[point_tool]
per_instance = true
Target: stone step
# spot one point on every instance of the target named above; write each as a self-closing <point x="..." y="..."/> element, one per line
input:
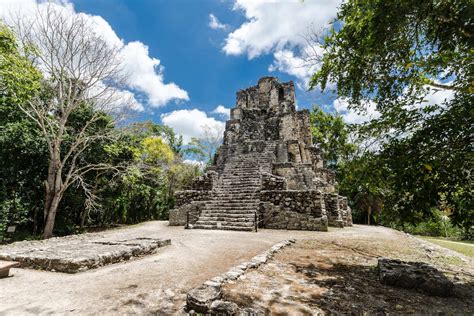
<point x="237" y="193"/>
<point x="241" y="179"/>
<point x="236" y="224"/>
<point x="240" y="183"/>
<point x="224" y="227"/>
<point x="232" y="189"/>
<point x="225" y="219"/>
<point x="249" y="177"/>
<point x="237" y="215"/>
<point x="230" y="208"/>
<point x="231" y="193"/>
<point x="237" y="196"/>
<point x="233" y="202"/>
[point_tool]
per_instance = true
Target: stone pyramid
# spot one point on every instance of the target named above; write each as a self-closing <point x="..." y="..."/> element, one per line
<point x="267" y="173"/>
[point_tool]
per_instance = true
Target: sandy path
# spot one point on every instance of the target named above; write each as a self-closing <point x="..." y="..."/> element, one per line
<point x="156" y="283"/>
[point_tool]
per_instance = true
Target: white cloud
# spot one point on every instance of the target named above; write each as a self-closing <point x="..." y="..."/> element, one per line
<point x="433" y="97"/>
<point x="191" y="123"/>
<point x="301" y="66"/>
<point x="215" y="24"/>
<point x="128" y="98"/>
<point x="222" y="110"/>
<point x="276" y="25"/>
<point x="193" y="162"/>
<point x="146" y="75"/>
<point x="350" y="116"/>
<point x="145" y="72"/>
<point x="437" y="96"/>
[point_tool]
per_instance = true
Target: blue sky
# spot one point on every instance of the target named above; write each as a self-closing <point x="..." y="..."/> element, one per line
<point x="178" y="33"/>
<point x="189" y="57"/>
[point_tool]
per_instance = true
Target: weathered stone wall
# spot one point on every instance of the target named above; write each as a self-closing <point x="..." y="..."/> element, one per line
<point x="188" y="196"/>
<point x="349" y="216"/>
<point x="272" y="182"/>
<point x="205" y="182"/>
<point x="179" y="216"/>
<point x="299" y="210"/>
<point x="298" y="176"/>
<point x="332" y="209"/>
<point x="191" y="201"/>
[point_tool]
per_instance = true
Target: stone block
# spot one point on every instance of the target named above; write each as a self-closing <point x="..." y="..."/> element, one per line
<point x="200" y="299"/>
<point x="414" y="275"/>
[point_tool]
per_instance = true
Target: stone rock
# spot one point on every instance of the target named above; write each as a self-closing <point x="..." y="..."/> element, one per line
<point x="78" y="253"/>
<point x="223" y="308"/>
<point x="414" y="275"/>
<point x="200" y="299"/>
<point x="251" y="312"/>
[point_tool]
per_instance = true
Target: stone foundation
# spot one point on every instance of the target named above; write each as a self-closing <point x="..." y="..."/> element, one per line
<point x="78" y="253"/>
<point x="295" y="210"/>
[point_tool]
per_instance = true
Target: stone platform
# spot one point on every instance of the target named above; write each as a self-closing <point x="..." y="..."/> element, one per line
<point x="78" y="253"/>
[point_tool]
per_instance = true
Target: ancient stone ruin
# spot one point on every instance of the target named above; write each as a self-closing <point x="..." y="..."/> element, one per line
<point x="267" y="173"/>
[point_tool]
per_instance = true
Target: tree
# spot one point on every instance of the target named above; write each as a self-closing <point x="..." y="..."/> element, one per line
<point x="332" y="135"/>
<point x="81" y="71"/>
<point x="205" y="147"/>
<point x="154" y="172"/>
<point x="391" y="52"/>
<point x="394" y="55"/>
<point x="165" y="132"/>
<point x="21" y="144"/>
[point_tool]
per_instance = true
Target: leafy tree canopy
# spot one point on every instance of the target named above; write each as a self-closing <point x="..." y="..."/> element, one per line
<point x="332" y="135"/>
<point x="393" y="52"/>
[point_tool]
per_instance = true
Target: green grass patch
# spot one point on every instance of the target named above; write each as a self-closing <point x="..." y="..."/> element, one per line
<point x="466" y="248"/>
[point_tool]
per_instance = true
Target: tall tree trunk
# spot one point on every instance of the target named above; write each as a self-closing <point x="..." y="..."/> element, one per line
<point x="369" y="212"/>
<point x="54" y="187"/>
<point x="84" y="215"/>
<point x="49" y="225"/>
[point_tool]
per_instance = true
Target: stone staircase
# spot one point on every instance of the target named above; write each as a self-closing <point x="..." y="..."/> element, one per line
<point x="235" y="198"/>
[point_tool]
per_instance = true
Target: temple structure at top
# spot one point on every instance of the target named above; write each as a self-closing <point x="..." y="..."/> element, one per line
<point x="268" y="173"/>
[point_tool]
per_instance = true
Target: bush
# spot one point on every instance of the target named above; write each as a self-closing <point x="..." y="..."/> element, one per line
<point x="438" y="226"/>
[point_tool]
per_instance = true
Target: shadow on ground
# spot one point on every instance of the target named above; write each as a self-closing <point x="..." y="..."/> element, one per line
<point x="326" y="278"/>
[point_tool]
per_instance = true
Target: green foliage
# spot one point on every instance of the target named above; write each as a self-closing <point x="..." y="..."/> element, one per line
<point x="156" y="152"/>
<point x="332" y="135"/>
<point x="22" y="148"/>
<point x="154" y="172"/>
<point x="390" y="51"/>
<point x="392" y="54"/>
<point x="147" y="157"/>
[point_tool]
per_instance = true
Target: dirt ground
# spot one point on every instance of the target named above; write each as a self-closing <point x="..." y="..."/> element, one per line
<point x="156" y="283"/>
<point x="336" y="274"/>
<point x="323" y="272"/>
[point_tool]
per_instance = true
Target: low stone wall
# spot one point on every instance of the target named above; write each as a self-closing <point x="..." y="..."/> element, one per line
<point x="333" y="210"/>
<point x="298" y="210"/>
<point x="179" y="217"/>
<point x="205" y="182"/>
<point x="78" y="252"/>
<point x="206" y="298"/>
<point x="188" y="196"/>
<point x="187" y="201"/>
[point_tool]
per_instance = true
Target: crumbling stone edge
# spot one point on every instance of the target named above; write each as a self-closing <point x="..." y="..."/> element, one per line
<point x="206" y="298"/>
